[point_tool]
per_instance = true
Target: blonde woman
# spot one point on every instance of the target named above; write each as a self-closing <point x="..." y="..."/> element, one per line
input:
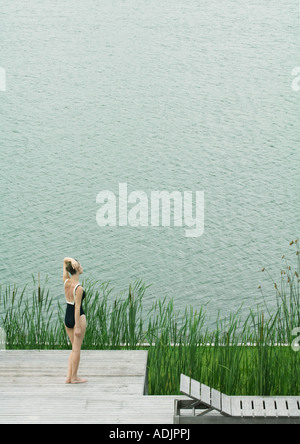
<point x="75" y="320"/>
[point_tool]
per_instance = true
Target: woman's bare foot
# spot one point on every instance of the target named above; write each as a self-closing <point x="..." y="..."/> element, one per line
<point x="68" y="381"/>
<point x="78" y="381"/>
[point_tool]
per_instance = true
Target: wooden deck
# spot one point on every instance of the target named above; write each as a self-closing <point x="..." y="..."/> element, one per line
<point x="33" y="389"/>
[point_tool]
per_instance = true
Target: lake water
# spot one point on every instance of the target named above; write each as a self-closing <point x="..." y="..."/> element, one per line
<point x="161" y="95"/>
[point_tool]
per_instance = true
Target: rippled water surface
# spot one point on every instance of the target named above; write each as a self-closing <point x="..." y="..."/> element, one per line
<point x="161" y="95"/>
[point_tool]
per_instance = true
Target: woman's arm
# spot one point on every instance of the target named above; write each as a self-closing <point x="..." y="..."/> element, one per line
<point x="79" y="293"/>
<point x="66" y="261"/>
<point x="65" y="273"/>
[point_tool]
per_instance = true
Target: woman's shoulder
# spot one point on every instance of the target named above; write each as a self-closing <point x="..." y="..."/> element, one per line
<point x="78" y="288"/>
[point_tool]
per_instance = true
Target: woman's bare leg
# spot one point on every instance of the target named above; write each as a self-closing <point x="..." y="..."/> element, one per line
<point x="76" y="349"/>
<point x="70" y="333"/>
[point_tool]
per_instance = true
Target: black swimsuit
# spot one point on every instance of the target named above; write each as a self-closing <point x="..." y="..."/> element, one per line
<point x="70" y="312"/>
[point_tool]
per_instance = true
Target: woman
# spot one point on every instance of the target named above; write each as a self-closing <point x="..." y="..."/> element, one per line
<point x="75" y="321"/>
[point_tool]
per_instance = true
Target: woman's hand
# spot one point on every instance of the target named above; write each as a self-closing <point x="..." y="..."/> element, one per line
<point x="74" y="264"/>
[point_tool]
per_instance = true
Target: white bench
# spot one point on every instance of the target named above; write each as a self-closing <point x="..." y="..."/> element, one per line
<point x="216" y="407"/>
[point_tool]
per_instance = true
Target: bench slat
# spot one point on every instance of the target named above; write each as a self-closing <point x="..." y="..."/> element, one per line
<point x="271" y="411"/>
<point x="236" y="407"/>
<point x="216" y="399"/>
<point x="226" y="404"/>
<point x="195" y="389"/>
<point x="293" y="408"/>
<point x="205" y="394"/>
<point x="282" y="410"/>
<point x="185" y="386"/>
<point x="247" y="408"/>
<point x="259" y="407"/>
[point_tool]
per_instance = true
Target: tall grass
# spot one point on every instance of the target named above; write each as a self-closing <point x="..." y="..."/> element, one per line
<point x="251" y="355"/>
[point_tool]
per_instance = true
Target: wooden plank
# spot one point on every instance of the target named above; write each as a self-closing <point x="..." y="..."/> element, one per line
<point x="281" y="407"/>
<point x="271" y="411"/>
<point x="293" y="408"/>
<point x="205" y="394"/>
<point x="93" y="419"/>
<point x="226" y="404"/>
<point x="195" y="389"/>
<point x="236" y="407"/>
<point x="216" y="399"/>
<point x="259" y="410"/>
<point x="185" y="385"/>
<point x="246" y="407"/>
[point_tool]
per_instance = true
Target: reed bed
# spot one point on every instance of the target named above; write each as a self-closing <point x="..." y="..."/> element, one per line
<point x="242" y="355"/>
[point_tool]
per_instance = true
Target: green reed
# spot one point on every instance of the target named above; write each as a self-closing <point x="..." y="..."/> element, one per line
<point x="241" y="354"/>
